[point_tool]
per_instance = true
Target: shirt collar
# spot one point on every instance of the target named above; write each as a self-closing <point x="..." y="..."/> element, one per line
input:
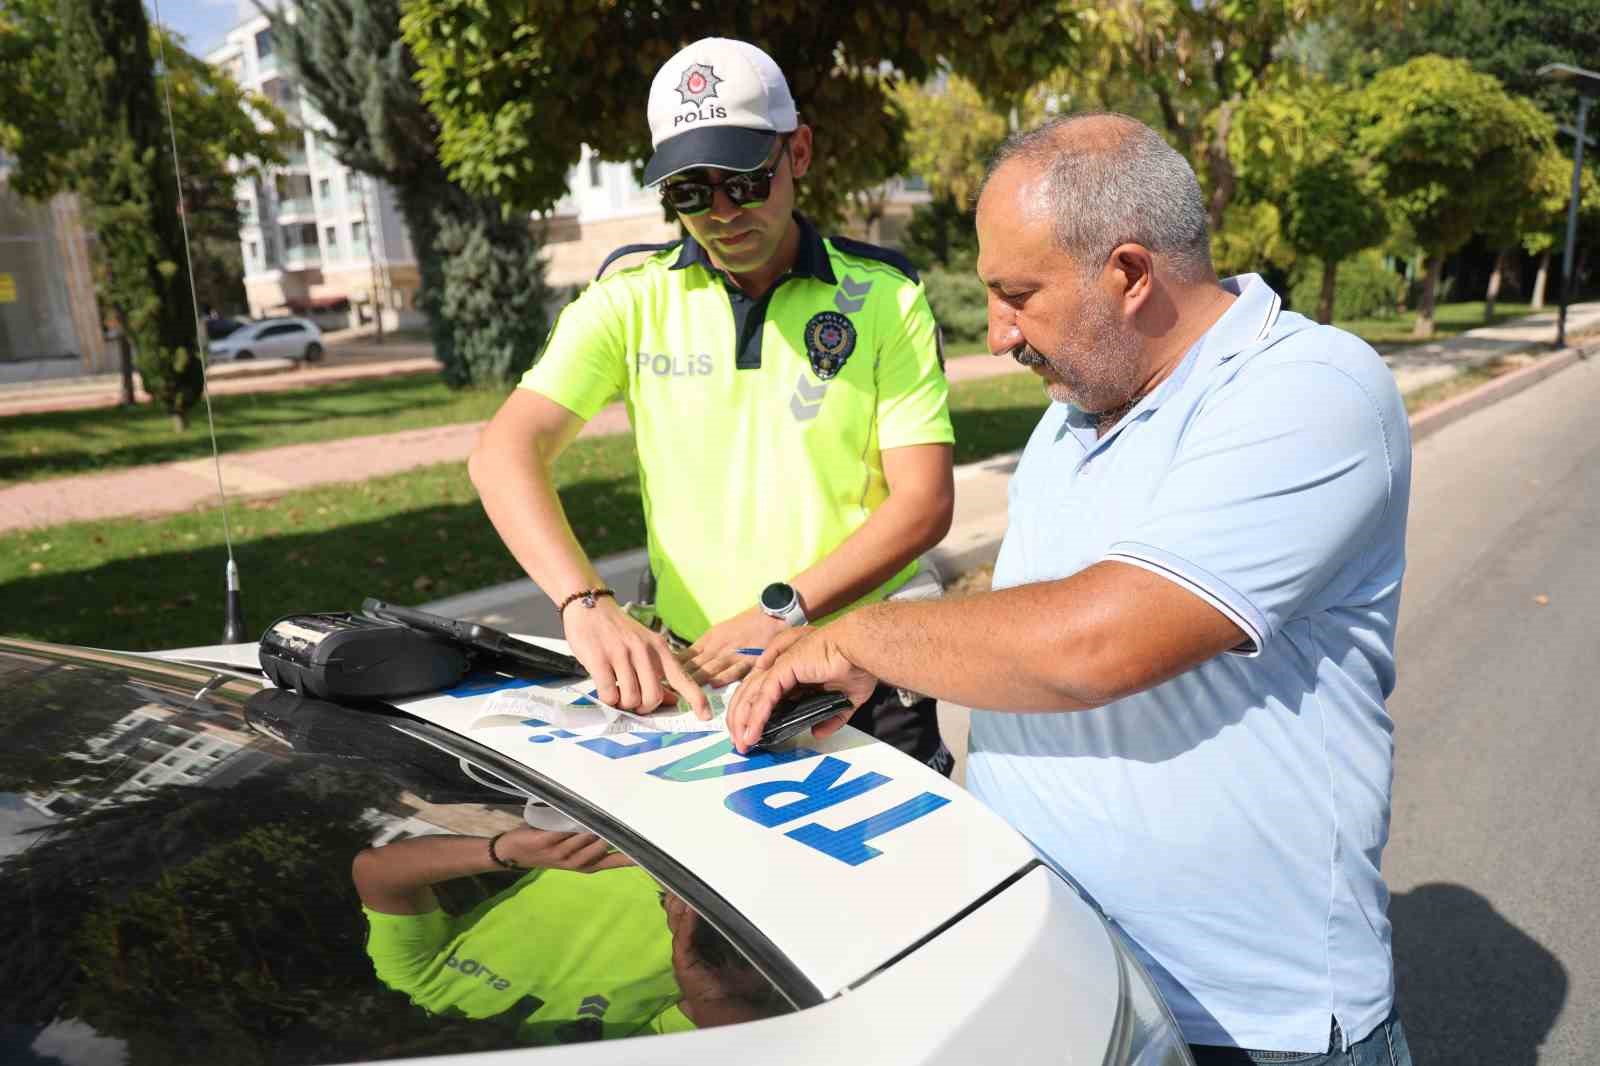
<point x="810" y="259"/>
<point x="1248" y="322"/>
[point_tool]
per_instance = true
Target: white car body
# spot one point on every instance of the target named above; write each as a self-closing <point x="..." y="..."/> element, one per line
<point x="299" y="339"/>
<point x="919" y="927"/>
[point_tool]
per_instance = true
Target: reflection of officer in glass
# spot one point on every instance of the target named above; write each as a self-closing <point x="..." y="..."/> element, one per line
<point x="571" y="956"/>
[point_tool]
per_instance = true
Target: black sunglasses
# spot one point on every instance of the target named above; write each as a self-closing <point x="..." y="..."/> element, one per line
<point x="748" y="188"/>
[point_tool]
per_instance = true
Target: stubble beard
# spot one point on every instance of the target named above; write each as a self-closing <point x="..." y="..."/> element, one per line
<point x="1095" y="377"/>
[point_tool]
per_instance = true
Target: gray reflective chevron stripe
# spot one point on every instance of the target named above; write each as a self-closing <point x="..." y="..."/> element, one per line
<point x="807" y="399"/>
<point x="851" y="295"/>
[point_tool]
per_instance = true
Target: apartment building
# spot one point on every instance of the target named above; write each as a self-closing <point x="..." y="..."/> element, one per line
<point x="317" y="238"/>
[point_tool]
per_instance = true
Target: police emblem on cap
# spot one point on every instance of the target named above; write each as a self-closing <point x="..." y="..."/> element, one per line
<point x="830" y="338"/>
<point x="698" y="84"/>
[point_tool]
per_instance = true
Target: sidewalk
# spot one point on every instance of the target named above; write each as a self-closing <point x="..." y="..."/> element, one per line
<point x="167" y="488"/>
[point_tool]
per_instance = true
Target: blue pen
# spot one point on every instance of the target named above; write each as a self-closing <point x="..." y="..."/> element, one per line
<point x="751" y="651"/>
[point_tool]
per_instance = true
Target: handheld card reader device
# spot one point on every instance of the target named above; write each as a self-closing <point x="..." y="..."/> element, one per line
<point x="798" y="711"/>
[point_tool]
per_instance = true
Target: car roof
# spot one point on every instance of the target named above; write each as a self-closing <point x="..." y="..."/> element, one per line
<point x="844" y="853"/>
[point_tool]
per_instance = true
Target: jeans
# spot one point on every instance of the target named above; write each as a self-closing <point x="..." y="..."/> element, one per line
<point x="1384" y="1046"/>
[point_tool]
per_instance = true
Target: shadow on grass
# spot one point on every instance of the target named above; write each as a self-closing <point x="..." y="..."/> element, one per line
<point x="175" y="598"/>
<point x="982" y="432"/>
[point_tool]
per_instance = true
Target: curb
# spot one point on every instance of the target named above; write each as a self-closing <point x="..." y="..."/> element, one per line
<point x="1430" y="420"/>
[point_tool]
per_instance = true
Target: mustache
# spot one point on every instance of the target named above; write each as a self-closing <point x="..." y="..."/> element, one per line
<point x="1027" y="355"/>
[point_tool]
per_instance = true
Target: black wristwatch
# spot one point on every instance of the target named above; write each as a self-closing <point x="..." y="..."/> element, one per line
<point x="779" y="600"/>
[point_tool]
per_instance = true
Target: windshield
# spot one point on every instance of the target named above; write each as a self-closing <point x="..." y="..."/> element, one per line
<point x="193" y="870"/>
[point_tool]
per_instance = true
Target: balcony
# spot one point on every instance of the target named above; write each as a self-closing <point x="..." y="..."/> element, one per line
<point x="294" y="206"/>
<point x="301" y="258"/>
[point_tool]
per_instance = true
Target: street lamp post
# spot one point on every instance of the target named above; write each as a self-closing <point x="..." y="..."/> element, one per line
<point x="1588" y="85"/>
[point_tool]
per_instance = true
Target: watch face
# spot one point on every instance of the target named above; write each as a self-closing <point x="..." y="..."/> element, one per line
<point x="777" y="596"/>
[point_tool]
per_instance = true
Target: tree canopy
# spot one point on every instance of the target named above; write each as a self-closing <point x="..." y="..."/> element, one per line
<point x="517" y="89"/>
<point x="1450" y="147"/>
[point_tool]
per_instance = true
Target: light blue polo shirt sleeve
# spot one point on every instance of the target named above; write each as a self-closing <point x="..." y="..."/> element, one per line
<point x="1278" y="486"/>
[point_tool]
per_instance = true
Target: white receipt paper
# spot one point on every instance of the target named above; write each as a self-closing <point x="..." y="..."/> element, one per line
<point x="573" y="707"/>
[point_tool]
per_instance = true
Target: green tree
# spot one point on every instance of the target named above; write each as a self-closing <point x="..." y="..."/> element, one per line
<point x="84" y="115"/>
<point x="350" y="60"/>
<point x="1291" y="148"/>
<point x="1190" y="65"/>
<point x="518" y="88"/>
<point x="1543" y="219"/>
<point x="1450" y="147"/>
<point x="225" y="134"/>
<point x="1509" y="39"/>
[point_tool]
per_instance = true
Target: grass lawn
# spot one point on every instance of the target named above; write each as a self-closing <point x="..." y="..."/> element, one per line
<point x="1448" y="320"/>
<point x="58" y="443"/>
<point x="149" y="583"/>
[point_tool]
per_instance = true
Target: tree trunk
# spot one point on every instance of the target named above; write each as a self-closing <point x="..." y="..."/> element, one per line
<point x="1494" y="287"/>
<point x="1330" y="272"/>
<point x="1223" y="179"/>
<point x="1430" y="289"/>
<point x="1540" y="279"/>
<point x="125" y="353"/>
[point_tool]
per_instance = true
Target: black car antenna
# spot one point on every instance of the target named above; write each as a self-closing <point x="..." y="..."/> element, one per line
<point x="233" y="631"/>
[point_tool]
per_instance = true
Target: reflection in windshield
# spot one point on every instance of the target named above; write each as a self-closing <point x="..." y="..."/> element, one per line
<point x="176" y="886"/>
<point x="594" y="951"/>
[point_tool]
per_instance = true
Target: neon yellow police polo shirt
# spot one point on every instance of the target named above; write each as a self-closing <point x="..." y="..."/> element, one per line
<point x="565" y="953"/>
<point x="760" y="424"/>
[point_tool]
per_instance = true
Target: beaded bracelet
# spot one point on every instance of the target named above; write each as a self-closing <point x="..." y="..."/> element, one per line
<point x="507" y="863"/>
<point x="588" y="597"/>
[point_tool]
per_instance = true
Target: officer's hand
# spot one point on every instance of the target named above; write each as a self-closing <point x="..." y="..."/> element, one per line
<point x="716" y="659"/>
<point x="543" y="849"/>
<point x="805" y="656"/>
<point x="631" y="666"/>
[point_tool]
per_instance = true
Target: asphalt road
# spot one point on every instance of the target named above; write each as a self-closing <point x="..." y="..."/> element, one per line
<point x="1494" y="852"/>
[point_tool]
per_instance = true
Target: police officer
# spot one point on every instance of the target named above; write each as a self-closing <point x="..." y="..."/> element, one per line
<point x="788" y="402"/>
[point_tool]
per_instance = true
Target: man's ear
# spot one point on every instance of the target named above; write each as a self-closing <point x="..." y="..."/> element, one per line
<point x="800" y="150"/>
<point x="1132" y="269"/>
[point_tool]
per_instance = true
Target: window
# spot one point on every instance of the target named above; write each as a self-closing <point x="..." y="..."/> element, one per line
<point x="263" y="44"/>
<point x="253" y="257"/>
<point x="594" y="171"/>
<point x="352" y="181"/>
<point x="324" y="190"/>
<point x="330" y="241"/>
<point x="243" y="207"/>
<point x="358" y="237"/>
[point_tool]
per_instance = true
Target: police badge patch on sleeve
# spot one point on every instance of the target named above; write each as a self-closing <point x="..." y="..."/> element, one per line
<point x="830" y="338"/>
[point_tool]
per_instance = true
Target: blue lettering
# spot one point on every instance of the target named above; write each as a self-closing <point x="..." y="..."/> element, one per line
<point x="637" y="743"/>
<point x="693" y="768"/>
<point x="817" y="792"/>
<point x="849" y="845"/>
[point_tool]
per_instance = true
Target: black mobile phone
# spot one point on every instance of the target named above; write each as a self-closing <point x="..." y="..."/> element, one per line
<point x="503" y="651"/>
<point x="797" y="712"/>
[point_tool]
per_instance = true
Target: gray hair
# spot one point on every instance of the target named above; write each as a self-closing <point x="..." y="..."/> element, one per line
<point x="1109" y="179"/>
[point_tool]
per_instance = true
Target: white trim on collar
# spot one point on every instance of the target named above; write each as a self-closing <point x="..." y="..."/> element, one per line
<point x="1248" y="322"/>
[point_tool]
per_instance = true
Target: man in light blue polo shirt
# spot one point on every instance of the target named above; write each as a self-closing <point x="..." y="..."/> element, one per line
<point x="1203" y="563"/>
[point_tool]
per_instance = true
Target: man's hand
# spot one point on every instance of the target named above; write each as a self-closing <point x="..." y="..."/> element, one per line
<point x="543" y="849"/>
<point x="715" y="659"/>
<point x="712" y="995"/>
<point x="632" y="667"/>
<point x="803" y="656"/>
